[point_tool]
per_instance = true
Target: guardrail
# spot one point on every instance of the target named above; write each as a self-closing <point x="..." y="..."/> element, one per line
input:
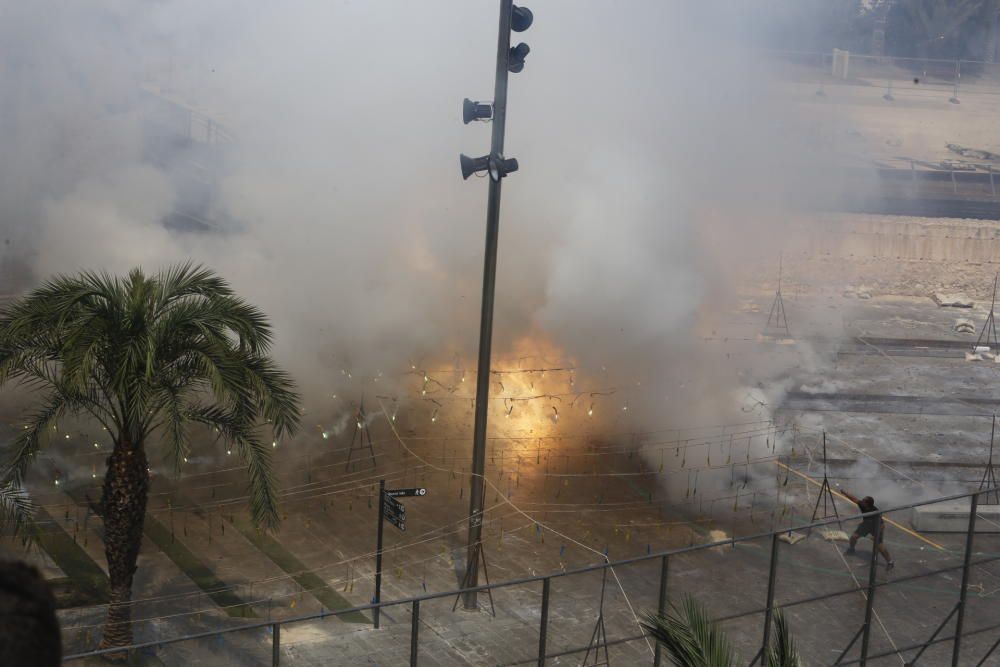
<point x="913" y="78"/>
<point x="871" y="590"/>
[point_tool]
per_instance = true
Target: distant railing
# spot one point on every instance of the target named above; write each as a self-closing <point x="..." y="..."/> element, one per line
<point x="861" y="639"/>
<point x="895" y="76"/>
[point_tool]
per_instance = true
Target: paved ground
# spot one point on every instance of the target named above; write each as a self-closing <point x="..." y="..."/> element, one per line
<point x="859" y="124"/>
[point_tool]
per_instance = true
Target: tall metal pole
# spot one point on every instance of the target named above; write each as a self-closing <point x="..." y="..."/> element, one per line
<point x="470" y="598"/>
<point x="771" y="581"/>
<point x="414" y="633"/>
<point x="661" y="607"/>
<point x="870" y="601"/>
<point x="378" y="552"/>
<point x="963" y="592"/>
<point x="543" y="627"/>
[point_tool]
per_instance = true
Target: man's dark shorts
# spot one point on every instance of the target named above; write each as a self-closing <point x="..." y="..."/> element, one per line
<point x="868" y="528"/>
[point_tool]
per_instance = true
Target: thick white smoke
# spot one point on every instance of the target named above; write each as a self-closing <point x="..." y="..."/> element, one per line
<point x="654" y="165"/>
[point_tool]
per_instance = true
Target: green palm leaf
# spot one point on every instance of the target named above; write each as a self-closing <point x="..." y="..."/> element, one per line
<point x="16" y="509"/>
<point x="781" y="651"/>
<point x="690" y="637"/>
<point x="146" y="356"/>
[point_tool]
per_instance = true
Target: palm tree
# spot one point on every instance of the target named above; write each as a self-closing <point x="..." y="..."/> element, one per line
<point x="692" y="639"/>
<point x="143" y="356"/>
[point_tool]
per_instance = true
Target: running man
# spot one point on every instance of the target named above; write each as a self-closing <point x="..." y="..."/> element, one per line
<point x="870" y="525"/>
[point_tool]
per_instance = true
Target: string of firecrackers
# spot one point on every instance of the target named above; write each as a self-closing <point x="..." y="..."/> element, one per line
<point x="677" y="445"/>
<point x="325" y="492"/>
<point x="688" y="443"/>
<point x="509" y="403"/>
<point x="44" y="456"/>
<point x="493" y="371"/>
<point x="463" y="373"/>
<point x="549" y="395"/>
<point x="285" y="494"/>
<point x="639" y="434"/>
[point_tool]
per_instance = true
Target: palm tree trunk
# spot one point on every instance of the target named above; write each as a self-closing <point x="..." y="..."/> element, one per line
<point x="126" y="485"/>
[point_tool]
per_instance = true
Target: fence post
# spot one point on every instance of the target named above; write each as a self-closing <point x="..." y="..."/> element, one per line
<point x="769" y="612"/>
<point x="956" y="651"/>
<point x="414" y="632"/>
<point x="867" y="627"/>
<point x="958" y="75"/>
<point x="275" y="644"/>
<point x="543" y="627"/>
<point x="661" y="607"/>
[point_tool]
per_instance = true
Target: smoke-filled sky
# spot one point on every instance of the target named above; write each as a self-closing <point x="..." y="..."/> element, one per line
<point x="653" y="164"/>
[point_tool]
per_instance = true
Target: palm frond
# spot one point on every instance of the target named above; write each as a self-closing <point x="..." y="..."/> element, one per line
<point x="690" y="637"/>
<point x="215" y="315"/>
<point x="781" y="651"/>
<point x="275" y="394"/>
<point x="16" y="511"/>
<point x="189" y="279"/>
<point x="30" y="438"/>
<point x="51" y="305"/>
<point x="150" y="353"/>
<point x="174" y="423"/>
<point x="255" y="453"/>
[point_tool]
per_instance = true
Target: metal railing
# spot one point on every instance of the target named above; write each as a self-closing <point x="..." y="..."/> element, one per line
<point x="870" y="590"/>
<point x="895" y="76"/>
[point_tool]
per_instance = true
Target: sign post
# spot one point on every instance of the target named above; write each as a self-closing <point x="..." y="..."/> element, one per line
<point x="395" y="511"/>
<point x="378" y="552"/>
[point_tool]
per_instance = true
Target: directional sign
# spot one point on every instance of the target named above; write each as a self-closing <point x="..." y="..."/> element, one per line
<point x="396" y="509"/>
<point x="395" y="505"/>
<point x="392" y="493"/>
<point x="398" y="522"/>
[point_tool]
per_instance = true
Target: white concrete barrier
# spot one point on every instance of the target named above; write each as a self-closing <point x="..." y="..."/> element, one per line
<point x="953" y="517"/>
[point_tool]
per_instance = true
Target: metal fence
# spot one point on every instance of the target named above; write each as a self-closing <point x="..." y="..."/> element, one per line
<point x="894" y="76"/>
<point x="759" y="618"/>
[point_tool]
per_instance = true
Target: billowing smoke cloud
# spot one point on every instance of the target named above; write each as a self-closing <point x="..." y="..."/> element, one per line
<point x="656" y="160"/>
